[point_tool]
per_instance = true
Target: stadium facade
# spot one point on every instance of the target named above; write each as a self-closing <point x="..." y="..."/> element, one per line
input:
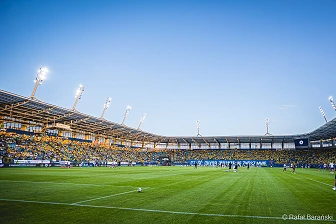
<point x="28" y="115"/>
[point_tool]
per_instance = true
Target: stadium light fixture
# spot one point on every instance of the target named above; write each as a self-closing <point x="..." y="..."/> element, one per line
<point x="106" y="105"/>
<point x="78" y="95"/>
<point x="198" y="125"/>
<point x="128" y="109"/>
<point x="142" y="120"/>
<point x="323" y="114"/>
<point x="331" y="99"/>
<point x="41" y="75"/>
<point x="267" y="126"/>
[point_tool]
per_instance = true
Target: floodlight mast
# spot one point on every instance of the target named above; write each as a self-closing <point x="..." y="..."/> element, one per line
<point x="142" y="120"/>
<point x="78" y="96"/>
<point x="267" y="125"/>
<point x="106" y="105"/>
<point x="128" y="109"/>
<point x="323" y="114"/>
<point x="331" y="99"/>
<point x="41" y="75"/>
<point x="198" y="124"/>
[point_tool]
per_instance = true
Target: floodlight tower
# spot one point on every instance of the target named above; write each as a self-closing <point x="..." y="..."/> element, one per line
<point x="198" y="125"/>
<point x="78" y="96"/>
<point x="332" y="102"/>
<point x="41" y="75"/>
<point x="142" y="120"/>
<point x="267" y="125"/>
<point x="128" y="109"/>
<point x="323" y="114"/>
<point x="106" y="105"/>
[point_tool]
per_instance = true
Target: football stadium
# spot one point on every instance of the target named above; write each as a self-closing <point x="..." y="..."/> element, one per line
<point x="256" y="76"/>
<point x="88" y="169"/>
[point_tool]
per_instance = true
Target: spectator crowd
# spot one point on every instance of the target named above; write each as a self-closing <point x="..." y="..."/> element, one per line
<point x="34" y="147"/>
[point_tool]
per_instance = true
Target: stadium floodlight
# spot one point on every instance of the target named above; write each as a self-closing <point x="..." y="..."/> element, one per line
<point x="128" y="109"/>
<point x="41" y="75"/>
<point x="198" y="125"/>
<point x="142" y="120"/>
<point x="267" y="125"/>
<point x="331" y="99"/>
<point x="323" y="114"/>
<point x="78" y="95"/>
<point x="106" y="105"/>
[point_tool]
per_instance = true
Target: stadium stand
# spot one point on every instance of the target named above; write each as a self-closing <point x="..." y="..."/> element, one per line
<point x="34" y="130"/>
<point x="33" y="147"/>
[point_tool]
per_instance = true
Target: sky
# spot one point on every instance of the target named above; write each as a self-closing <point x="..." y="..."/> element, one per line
<point x="229" y="64"/>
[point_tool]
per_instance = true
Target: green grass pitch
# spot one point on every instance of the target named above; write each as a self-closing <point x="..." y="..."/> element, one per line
<point x="169" y="195"/>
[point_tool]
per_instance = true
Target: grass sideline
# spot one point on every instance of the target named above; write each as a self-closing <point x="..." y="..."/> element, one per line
<point x="170" y="195"/>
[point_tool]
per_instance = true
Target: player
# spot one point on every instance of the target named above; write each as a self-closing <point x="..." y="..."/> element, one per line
<point x="195" y="165"/>
<point x="332" y="168"/>
<point x="248" y="166"/>
<point x="235" y="167"/>
<point x="324" y="167"/>
<point x="284" y="167"/>
<point x="334" y="184"/>
<point x="230" y="164"/>
<point x="293" y="168"/>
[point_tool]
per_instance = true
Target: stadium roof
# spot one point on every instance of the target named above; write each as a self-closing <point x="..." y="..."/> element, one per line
<point x="31" y="109"/>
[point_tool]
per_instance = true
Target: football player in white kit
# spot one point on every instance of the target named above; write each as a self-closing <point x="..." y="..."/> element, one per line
<point x="284" y="167"/>
<point x="332" y="168"/>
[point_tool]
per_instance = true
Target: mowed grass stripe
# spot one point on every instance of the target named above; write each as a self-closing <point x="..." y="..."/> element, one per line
<point x="167" y="192"/>
<point x="212" y="190"/>
<point x="159" y="211"/>
<point x="192" y="195"/>
<point x="49" y="182"/>
<point x="297" y="193"/>
<point x="238" y="197"/>
<point x="242" y="193"/>
<point x="62" y="193"/>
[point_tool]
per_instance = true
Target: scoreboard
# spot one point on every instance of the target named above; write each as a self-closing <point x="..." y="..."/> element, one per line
<point x="301" y="143"/>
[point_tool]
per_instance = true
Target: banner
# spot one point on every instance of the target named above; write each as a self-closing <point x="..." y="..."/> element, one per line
<point x="31" y="161"/>
<point x="226" y="162"/>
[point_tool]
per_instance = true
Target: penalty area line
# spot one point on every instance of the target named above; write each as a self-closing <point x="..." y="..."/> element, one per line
<point x="320" y="182"/>
<point x="158" y="211"/>
<point x="108" y="196"/>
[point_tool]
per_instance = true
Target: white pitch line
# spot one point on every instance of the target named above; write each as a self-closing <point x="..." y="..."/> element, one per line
<point x="108" y="196"/>
<point x="320" y="182"/>
<point x="159" y="211"/>
<point x="49" y="182"/>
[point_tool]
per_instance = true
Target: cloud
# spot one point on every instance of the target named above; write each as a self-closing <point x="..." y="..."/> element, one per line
<point x="286" y="107"/>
